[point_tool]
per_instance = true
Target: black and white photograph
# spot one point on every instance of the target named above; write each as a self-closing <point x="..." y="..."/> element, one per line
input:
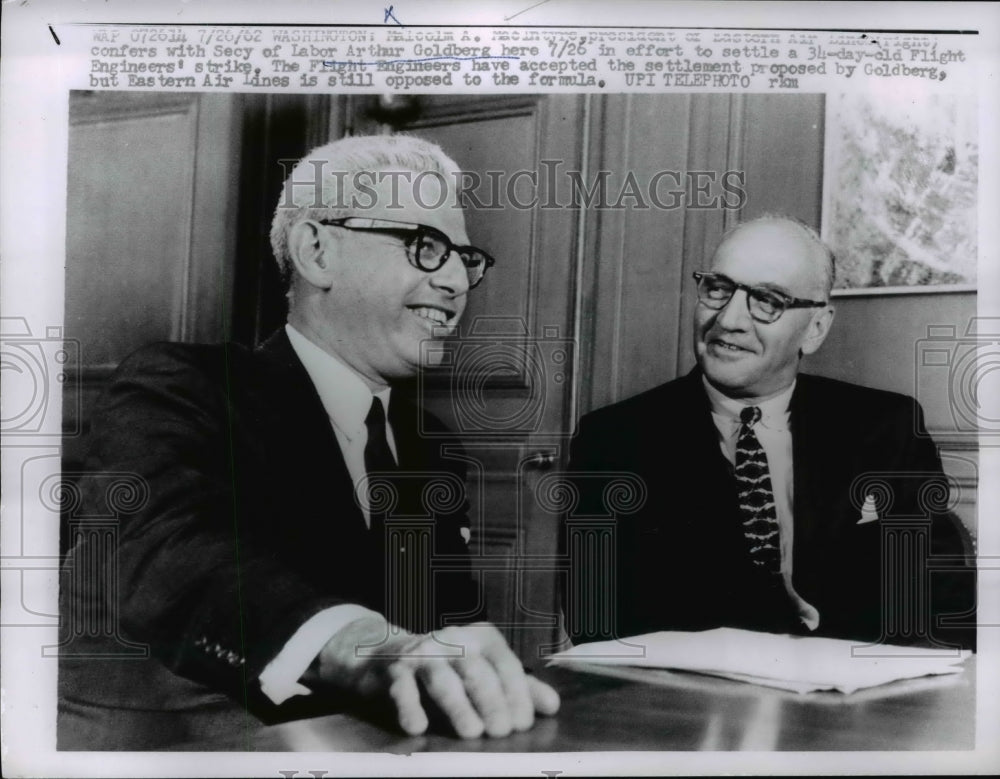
<point x="536" y="391"/>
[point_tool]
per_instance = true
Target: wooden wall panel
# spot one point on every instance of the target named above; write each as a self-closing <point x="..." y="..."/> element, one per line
<point x="129" y="220"/>
<point x="633" y="255"/>
<point x="781" y="152"/>
<point x="150" y="227"/>
<point x="652" y="249"/>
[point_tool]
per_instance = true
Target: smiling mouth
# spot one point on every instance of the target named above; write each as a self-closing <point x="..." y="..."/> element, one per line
<point x="726" y="346"/>
<point x="435" y="316"/>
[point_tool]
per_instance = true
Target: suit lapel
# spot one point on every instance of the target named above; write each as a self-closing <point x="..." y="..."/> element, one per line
<point x="417" y="455"/>
<point x="412" y="451"/>
<point x="298" y="432"/>
<point x="698" y="440"/>
<point x="814" y="459"/>
<point x="703" y="434"/>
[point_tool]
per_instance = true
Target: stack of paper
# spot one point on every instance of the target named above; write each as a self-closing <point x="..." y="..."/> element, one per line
<point x="801" y="664"/>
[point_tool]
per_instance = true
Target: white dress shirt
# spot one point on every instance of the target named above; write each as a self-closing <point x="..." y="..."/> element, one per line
<point x="775" y="436"/>
<point x="347" y="400"/>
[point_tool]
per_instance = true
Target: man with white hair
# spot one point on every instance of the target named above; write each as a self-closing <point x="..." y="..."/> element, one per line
<point x="262" y="572"/>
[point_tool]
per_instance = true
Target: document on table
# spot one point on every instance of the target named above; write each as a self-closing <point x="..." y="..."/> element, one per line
<point x="797" y="663"/>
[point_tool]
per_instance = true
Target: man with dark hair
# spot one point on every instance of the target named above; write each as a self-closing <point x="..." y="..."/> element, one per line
<point x="263" y="570"/>
<point x="772" y="496"/>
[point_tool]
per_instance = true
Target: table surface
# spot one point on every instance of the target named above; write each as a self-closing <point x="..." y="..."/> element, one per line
<point x="670" y="711"/>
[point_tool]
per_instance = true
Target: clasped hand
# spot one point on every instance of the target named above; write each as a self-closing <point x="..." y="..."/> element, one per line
<point x="468" y="672"/>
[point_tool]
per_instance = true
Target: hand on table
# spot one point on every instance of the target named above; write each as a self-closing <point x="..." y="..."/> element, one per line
<point x="469" y="672"/>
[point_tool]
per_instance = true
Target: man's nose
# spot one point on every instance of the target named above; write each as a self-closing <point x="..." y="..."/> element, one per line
<point x="735" y="315"/>
<point x="452" y="276"/>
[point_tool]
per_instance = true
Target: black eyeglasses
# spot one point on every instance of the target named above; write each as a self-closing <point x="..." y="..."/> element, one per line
<point x="765" y="305"/>
<point x="427" y="248"/>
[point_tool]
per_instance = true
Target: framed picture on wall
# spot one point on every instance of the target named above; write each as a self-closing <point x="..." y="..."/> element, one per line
<point x="900" y="190"/>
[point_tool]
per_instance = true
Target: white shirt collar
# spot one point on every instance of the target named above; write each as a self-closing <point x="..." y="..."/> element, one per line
<point x="345" y="396"/>
<point x="774" y="411"/>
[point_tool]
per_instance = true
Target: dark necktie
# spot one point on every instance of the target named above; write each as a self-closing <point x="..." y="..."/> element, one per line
<point x="379" y="465"/>
<point x="378" y="455"/>
<point x="756" y="496"/>
<point x="403" y="576"/>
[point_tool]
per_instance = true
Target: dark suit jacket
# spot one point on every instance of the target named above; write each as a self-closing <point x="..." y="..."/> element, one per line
<point x="248" y="528"/>
<point x="681" y="560"/>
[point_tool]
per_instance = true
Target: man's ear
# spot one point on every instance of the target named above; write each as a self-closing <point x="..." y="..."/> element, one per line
<point x="818" y="328"/>
<point x="311" y="249"/>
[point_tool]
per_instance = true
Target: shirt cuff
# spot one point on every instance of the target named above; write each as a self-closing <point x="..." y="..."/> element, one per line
<point x="280" y="679"/>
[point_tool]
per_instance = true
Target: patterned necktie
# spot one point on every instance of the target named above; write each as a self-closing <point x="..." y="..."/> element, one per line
<point x="753" y="481"/>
